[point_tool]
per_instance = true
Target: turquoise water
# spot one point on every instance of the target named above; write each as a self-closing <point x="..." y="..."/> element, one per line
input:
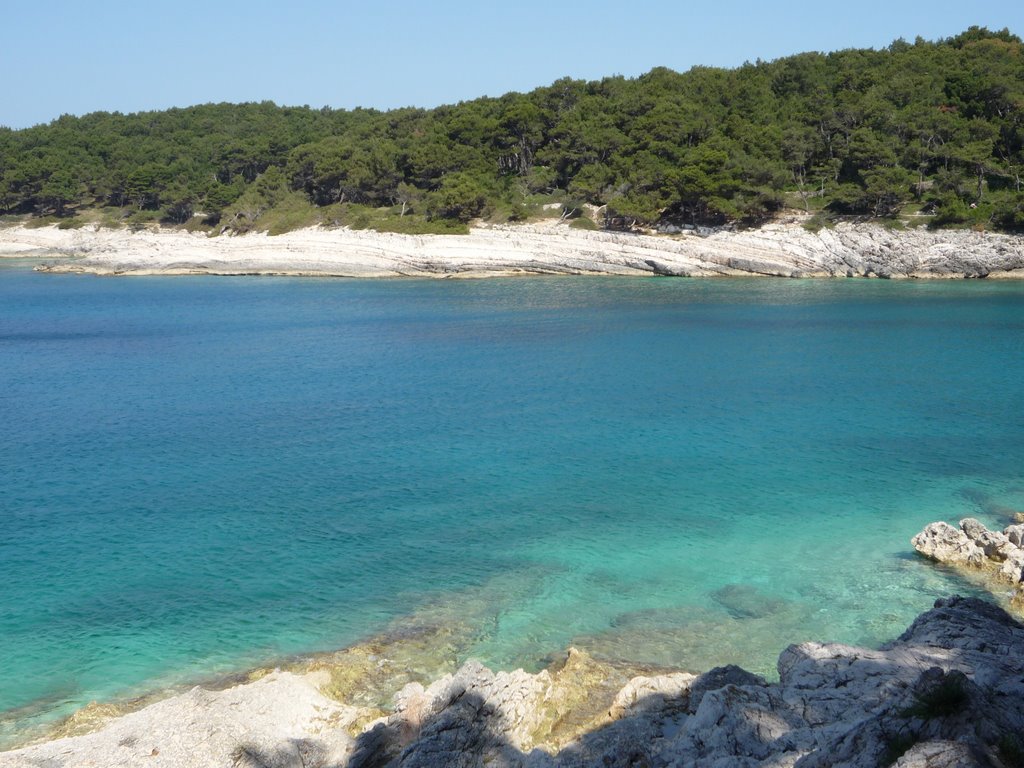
<point x="199" y="475"/>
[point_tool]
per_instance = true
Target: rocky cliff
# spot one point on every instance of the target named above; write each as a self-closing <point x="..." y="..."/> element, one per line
<point x="948" y="692"/>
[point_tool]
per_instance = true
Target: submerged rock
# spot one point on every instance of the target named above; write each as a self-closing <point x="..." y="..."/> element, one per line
<point x="744" y="601"/>
<point x="948" y="692"/>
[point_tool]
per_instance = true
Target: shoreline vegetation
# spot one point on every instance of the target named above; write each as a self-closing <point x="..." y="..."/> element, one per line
<point x="901" y="163"/>
<point x="930" y="129"/>
<point x="784" y="248"/>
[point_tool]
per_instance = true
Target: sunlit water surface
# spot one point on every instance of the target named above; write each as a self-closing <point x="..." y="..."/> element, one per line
<point x="199" y="475"/>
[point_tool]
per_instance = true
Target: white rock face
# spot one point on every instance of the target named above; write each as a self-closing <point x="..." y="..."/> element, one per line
<point x="280" y="720"/>
<point x="938" y="754"/>
<point x="651" y="693"/>
<point x="783" y="250"/>
<point x="948" y="692"/>
<point x="942" y="542"/>
<point x="974" y="547"/>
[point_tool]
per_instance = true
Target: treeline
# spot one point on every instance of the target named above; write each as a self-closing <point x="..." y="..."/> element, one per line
<point x="929" y="127"/>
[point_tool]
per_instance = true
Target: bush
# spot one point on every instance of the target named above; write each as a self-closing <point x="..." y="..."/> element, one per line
<point x="460" y="197"/>
<point x="417" y="225"/>
<point x="946" y="697"/>
<point x="583" y="223"/>
<point x="818" y="222"/>
<point x="357" y="216"/>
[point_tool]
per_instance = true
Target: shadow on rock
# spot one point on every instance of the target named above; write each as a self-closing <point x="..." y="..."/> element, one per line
<point x="948" y="692"/>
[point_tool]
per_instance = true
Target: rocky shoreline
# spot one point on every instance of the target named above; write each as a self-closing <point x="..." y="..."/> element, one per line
<point x="948" y="692"/>
<point x="782" y="249"/>
<point x="995" y="557"/>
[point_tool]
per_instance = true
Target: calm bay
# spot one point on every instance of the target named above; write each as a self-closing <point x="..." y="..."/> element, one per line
<point x="201" y="475"/>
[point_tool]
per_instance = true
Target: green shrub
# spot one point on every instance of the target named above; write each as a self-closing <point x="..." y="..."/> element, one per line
<point x="818" y="222"/>
<point x="945" y="698"/>
<point x="42" y="221"/>
<point x="390" y="219"/>
<point x="461" y="196"/>
<point x="418" y="225"/>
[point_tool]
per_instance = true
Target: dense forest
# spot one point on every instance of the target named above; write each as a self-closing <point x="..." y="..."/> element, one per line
<point x="933" y="130"/>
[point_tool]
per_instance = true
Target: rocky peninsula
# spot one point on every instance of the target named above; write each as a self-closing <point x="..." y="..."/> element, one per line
<point x="781" y="249"/>
<point x="995" y="558"/>
<point x="948" y="692"/>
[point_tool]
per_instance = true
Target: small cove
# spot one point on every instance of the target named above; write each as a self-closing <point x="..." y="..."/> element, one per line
<point x="207" y="474"/>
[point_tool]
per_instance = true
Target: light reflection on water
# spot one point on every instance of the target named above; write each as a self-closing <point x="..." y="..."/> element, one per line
<point x="202" y="475"/>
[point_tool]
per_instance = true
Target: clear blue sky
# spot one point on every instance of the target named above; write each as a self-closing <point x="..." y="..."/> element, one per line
<point x="77" y="57"/>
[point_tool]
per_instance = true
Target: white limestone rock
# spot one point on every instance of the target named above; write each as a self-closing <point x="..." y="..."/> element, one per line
<point x="652" y="693"/>
<point x="944" y="693"/>
<point x="973" y="546"/>
<point x="942" y="542"/>
<point x="783" y="249"/>
<point x="279" y="721"/>
<point x="939" y="754"/>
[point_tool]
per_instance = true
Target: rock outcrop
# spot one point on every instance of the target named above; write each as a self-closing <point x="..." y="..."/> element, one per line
<point x="779" y="250"/>
<point x="948" y="692"/>
<point x="997" y="556"/>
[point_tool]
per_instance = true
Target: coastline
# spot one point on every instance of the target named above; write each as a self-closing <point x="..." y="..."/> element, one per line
<point x="782" y="249"/>
<point x="832" y="705"/>
<point x="295" y="692"/>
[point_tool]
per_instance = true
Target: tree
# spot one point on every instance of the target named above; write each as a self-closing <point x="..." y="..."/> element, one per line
<point x="59" y="190"/>
<point x="707" y="145"/>
<point x="460" y="197"/>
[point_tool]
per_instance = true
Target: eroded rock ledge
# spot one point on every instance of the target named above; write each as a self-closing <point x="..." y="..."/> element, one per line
<point x="948" y="692"/>
<point x="782" y="249"/>
<point x="998" y="557"/>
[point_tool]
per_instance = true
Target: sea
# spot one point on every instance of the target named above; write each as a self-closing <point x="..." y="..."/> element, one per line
<point x="204" y="475"/>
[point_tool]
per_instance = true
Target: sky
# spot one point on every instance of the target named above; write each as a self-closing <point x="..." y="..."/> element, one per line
<point x="63" y="57"/>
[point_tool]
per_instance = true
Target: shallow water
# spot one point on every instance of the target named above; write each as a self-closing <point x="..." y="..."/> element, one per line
<point x="199" y="475"/>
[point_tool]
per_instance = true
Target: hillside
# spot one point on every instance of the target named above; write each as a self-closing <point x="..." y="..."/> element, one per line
<point x="933" y="129"/>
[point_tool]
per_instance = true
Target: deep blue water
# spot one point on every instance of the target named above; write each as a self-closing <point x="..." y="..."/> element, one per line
<point x="199" y="475"/>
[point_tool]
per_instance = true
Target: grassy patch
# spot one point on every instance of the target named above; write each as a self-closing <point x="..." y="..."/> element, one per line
<point x="945" y="698"/>
<point x="390" y="220"/>
<point x="139" y="220"/>
<point x="72" y="222"/>
<point x="197" y="224"/>
<point x="293" y="212"/>
<point x="39" y="222"/>
<point x="813" y="203"/>
<point x="818" y="222"/>
<point x="583" y="223"/>
<point x="418" y="225"/>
